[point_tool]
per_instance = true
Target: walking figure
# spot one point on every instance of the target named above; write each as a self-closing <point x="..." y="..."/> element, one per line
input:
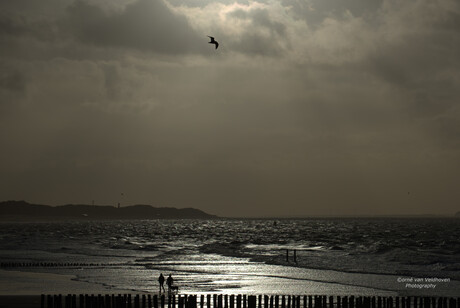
<point x="161" y="280"/>
<point x="169" y="282"/>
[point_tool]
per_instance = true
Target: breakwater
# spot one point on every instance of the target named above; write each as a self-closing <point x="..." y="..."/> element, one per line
<point x="242" y="301"/>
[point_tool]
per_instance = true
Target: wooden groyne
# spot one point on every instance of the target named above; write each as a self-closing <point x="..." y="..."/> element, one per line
<point x="54" y="264"/>
<point x="242" y="301"/>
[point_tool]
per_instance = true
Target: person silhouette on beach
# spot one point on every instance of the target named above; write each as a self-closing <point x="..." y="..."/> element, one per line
<point x="169" y="282"/>
<point x="161" y="280"/>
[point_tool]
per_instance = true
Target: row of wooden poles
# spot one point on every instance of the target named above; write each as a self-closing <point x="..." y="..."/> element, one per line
<point x="242" y="301"/>
<point x="52" y="264"/>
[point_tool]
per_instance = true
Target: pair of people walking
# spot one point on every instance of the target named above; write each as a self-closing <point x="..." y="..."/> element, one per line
<point x="169" y="282"/>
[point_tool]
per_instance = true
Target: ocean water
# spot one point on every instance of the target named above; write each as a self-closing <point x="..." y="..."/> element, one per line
<point x="333" y="256"/>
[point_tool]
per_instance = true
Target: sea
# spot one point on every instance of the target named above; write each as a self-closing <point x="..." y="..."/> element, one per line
<point x="331" y="256"/>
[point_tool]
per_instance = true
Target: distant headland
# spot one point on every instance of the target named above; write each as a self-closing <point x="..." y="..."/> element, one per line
<point x="22" y="210"/>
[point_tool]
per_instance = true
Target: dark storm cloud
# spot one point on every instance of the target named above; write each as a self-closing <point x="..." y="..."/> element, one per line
<point x="19" y="25"/>
<point x="144" y="24"/>
<point x="12" y="80"/>
<point x="318" y="106"/>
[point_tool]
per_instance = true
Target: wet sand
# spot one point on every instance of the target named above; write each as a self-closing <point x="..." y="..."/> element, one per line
<point x="16" y="283"/>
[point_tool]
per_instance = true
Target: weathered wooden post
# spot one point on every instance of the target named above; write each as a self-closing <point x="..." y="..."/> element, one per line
<point x="226" y="301"/>
<point x="162" y="301"/>
<point x="219" y="301"/>
<point x="232" y="301"/>
<point x="283" y="302"/>
<point x="252" y="301"/>
<point x="58" y="301"/>
<point x="366" y="302"/>
<point x="208" y="301"/>
<point x="87" y="303"/>
<point x="244" y="301"/>
<point x="352" y="302"/>
<point x="202" y="301"/>
<point x="121" y="301"/>
<point x="439" y="302"/>
<point x="426" y="302"/>
<point x="67" y="301"/>
<point x="238" y="301"/>
<point x="49" y="302"/>
<point x="277" y="301"/>
<point x="187" y="301"/>
<point x="271" y="301"/>
<point x="331" y="302"/>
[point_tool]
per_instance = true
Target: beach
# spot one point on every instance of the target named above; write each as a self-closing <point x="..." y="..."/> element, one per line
<point x="333" y="257"/>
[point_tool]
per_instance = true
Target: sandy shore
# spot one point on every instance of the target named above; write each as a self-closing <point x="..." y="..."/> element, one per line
<point x="25" y="301"/>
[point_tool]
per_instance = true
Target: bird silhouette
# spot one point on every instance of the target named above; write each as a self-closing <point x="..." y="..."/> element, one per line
<point x="213" y="41"/>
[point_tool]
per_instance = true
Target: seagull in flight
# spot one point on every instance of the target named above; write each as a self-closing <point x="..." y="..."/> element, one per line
<point x="213" y="41"/>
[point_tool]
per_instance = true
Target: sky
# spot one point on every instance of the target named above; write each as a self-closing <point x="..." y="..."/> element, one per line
<point x="307" y="108"/>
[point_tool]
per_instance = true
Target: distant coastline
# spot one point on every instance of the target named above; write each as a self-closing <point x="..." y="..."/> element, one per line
<point x="22" y="210"/>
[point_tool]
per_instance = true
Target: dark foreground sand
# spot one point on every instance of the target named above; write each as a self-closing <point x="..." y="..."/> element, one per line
<point x="20" y="301"/>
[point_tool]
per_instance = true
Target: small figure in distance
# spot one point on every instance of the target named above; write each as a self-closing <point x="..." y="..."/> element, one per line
<point x="213" y="41"/>
<point x="169" y="282"/>
<point x="161" y="280"/>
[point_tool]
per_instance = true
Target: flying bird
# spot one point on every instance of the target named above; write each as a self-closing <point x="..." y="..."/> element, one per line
<point x="213" y="41"/>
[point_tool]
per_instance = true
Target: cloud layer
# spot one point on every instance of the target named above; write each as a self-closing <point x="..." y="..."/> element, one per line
<point x="307" y="107"/>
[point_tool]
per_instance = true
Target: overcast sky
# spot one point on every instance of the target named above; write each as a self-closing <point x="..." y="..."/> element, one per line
<point x="308" y="107"/>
